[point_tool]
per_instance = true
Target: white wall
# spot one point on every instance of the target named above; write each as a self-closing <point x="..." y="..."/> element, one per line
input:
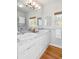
<point x="35" y="13"/>
<point x="52" y="7"/>
<point x="49" y="10"/>
<point x="21" y="13"/>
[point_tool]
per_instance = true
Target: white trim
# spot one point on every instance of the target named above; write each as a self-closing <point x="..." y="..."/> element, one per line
<point x="42" y="52"/>
<point x="55" y="45"/>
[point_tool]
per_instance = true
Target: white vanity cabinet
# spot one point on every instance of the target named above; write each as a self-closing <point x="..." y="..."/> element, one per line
<point x="35" y="50"/>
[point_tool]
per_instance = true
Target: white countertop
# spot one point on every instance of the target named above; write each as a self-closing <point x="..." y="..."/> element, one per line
<point x="28" y="38"/>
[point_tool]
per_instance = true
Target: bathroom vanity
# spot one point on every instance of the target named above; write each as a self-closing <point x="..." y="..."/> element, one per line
<point x="32" y="45"/>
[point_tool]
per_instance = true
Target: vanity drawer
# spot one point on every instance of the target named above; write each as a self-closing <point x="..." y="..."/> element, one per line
<point x="25" y="53"/>
<point x="31" y="52"/>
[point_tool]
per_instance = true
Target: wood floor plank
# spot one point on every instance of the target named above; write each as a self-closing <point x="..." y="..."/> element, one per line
<point x="52" y="52"/>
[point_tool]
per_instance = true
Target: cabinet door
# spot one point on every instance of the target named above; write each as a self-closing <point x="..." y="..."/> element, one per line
<point x="43" y="43"/>
<point x="32" y="53"/>
<point x="35" y="50"/>
<point x="26" y="53"/>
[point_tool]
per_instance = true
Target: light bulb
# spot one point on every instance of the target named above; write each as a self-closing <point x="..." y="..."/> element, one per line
<point x="36" y="5"/>
<point x="21" y="5"/>
<point x="39" y="7"/>
<point x="33" y="3"/>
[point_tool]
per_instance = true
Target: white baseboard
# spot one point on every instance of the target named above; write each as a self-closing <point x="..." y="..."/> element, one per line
<point x="42" y="52"/>
<point x="55" y="45"/>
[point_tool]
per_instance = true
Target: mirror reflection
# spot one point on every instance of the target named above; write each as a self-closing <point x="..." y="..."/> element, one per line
<point x="29" y="18"/>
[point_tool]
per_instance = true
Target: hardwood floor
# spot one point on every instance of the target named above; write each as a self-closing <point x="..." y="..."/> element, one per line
<point x="52" y="53"/>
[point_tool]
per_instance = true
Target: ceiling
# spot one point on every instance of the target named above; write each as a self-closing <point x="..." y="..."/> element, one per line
<point x="41" y="2"/>
<point x="44" y="2"/>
